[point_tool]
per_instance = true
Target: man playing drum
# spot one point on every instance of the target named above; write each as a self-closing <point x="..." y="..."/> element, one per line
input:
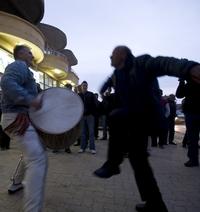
<point x="19" y="91"/>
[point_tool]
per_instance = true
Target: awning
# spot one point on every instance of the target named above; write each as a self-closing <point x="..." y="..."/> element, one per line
<point x="15" y="30"/>
<point x="55" y="66"/>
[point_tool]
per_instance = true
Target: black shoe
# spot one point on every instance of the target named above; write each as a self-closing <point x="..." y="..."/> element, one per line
<point x="145" y="207"/>
<point x="104" y="172"/>
<point x="55" y="151"/>
<point x="191" y="164"/>
<point x="68" y="150"/>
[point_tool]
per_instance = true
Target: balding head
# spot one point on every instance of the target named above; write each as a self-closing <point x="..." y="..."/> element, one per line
<point x="22" y="52"/>
<point x="119" y="56"/>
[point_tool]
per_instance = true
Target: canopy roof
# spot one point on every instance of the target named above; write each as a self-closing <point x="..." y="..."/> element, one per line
<point x="56" y="39"/>
<point x="30" y="10"/>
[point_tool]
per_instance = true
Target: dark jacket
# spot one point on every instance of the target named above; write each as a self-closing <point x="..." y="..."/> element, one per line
<point x="191" y="92"/>
<point x="172" y="106"/>
<point x="89" y="102"/>
<point x="108" y="103"/>
<point x="135" y="84"/>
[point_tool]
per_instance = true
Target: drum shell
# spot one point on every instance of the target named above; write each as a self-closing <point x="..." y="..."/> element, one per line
<point x="60" y="141"/>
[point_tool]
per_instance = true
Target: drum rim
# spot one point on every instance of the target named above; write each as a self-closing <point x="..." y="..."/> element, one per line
<point x="47" y="132"/>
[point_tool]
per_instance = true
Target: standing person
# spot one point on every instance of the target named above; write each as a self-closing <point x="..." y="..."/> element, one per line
<point x="19" y="91"/>
<point x="191" y="107"/>
<point x="87" y="122"/>
<point x="108" y="103"/>
<point x="69" y="86"/>
<point x="4" y="138"/>
<point x="185" y="141"/>
<point x="162" y="131"/>
<point x="96" y="116"/>
<point x="18" y="175"/>
<point x="132" y="80"/>
<point x="77" y="90"/>
<point x="171" y="118"/>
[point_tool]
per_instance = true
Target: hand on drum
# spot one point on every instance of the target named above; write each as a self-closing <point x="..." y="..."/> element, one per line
<point x="36" y="103"/>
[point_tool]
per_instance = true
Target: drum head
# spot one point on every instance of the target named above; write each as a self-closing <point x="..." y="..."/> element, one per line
<point x="61" y="110"/>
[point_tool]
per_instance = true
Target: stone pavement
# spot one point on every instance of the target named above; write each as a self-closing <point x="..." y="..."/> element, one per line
<point x="71" y="187"/>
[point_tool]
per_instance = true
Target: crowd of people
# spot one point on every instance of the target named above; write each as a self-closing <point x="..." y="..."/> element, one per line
<point x="135" y="111"/>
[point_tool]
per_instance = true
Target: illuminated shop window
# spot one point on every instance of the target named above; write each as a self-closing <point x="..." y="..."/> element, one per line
<point x="5" y="59"/>
<point x="49" y="82"/>
<point x="35" y="74"/>
<point x="54" y="83"/>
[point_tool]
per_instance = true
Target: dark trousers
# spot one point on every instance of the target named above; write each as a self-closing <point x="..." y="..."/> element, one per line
<point x="160" y="134"/>
<point x="4" y="140"/>
<point x="96" y="126"/>
<point x="171" y="132"/>
<point x="192" y="121"/>
<point x="105" y="126"/>
<point x="126" y="136"/>
<point x="185" y="140"/>
<point x="160" y="139"/>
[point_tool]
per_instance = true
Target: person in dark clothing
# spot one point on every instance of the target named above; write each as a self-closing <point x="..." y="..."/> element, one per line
<point x="108" y="103"/>
<point x="4" y="138"/>
<point x="69" y="86"/>
<point x="77" y="90"/>
<point x="159" y="135"/>
<point x="191" y="108"/>
<point x="185" y="141"/>
<point x="96" y="116"/>
<point x="87" y="122"/>
<point x="132" y="80"/>
<point x="171" y="118"/>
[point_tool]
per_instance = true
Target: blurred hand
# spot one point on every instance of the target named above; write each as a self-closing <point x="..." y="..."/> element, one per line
<point x="195" y="73"/>
<point x="36" y="103"/>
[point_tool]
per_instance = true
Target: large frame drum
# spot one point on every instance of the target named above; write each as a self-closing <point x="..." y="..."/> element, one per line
<point x="58" y="120"/>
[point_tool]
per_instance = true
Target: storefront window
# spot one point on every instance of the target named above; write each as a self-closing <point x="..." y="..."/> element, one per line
<point x="5" y="59"/>
<point x="54" y="83"/>
<point x="49" y="82"/>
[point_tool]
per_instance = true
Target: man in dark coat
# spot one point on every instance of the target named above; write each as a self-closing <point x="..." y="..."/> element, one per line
<point x="191" y="107"/>
<point x="130" y="122"/>
<point x="171" y="118"/>
<point x="87" y="122"/>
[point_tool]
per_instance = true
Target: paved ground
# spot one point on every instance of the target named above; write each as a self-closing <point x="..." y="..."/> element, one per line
<point x="71" y="187"/>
